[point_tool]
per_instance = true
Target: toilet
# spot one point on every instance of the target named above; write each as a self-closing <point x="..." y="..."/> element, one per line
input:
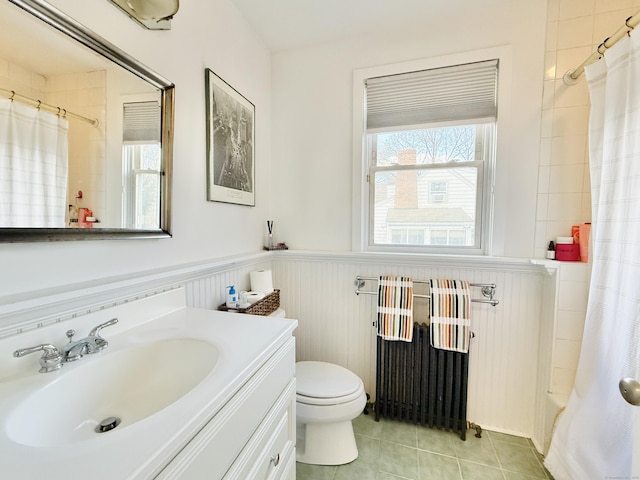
<point x="328" y="398"/>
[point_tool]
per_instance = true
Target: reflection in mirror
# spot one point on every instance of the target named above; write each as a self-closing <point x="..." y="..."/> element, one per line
<point x="85" y="133"/>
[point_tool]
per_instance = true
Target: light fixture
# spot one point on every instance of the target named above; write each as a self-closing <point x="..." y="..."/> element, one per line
<point x="151" y="14"/>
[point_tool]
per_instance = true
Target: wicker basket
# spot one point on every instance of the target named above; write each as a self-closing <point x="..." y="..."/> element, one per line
<point x="266" y="306"/>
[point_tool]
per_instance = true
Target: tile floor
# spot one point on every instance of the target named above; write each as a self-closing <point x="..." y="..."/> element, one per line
<point x="390" y="450"/>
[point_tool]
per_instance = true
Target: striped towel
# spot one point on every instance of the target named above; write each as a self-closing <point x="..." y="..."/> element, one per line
<point x="450" y="302"/>
<point x="395" y="308"/>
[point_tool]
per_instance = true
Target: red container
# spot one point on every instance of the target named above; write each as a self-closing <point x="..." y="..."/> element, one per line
<point x="568" y="252"/>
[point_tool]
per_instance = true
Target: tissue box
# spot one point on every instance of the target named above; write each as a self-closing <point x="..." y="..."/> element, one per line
<point x="568" y="252"/>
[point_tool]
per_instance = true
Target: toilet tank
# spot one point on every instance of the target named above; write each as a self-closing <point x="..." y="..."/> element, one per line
<point x="279" y="313"/>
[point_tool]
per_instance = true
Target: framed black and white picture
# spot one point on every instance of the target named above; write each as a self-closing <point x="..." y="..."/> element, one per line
<point x="230" y="143"/>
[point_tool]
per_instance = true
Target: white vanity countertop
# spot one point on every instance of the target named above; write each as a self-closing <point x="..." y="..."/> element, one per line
<point x="139" y="451"/>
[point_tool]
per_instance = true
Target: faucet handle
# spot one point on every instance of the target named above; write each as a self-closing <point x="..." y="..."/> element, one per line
<point x="70" y="333"/>
<point x="97" y="342"/>
<point x="96" y="329"/>
<point x="51" y="358"/>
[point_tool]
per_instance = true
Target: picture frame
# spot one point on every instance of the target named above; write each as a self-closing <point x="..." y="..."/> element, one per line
<point x="230" y="143"/>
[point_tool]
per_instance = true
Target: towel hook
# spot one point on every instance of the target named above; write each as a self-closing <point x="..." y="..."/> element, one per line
<point x="13" y="94"/>
<point x="39" y="103"/>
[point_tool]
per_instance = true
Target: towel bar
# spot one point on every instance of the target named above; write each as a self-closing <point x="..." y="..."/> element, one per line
<point x="488" y="290"/>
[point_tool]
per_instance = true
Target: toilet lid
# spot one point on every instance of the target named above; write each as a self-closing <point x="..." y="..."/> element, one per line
<point x="325" y="380"/>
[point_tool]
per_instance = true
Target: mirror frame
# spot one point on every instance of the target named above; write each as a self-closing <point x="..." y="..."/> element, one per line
<point x="65" y="24"/>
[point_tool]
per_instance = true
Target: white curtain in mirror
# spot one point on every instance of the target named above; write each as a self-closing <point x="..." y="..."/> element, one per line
<point x="33" y="167"/>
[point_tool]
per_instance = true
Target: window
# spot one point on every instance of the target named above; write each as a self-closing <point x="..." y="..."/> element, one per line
<point x="438" y="237"/>
<point x="142" y="184"/>
<point x="448" y="237"/>
<point x="141" y="155"/>
<point x="457" y="237"/>
<point x="430" y="136"/>
<point x="407" y="236"/>
<point x="438" y="192"/>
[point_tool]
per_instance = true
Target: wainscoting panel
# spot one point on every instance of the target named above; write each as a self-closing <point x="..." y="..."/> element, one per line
<point x="204" y="283"/>
<point x="508" y="375"/>
<point x="335" y="325"/>
<point x="209" y="290"/>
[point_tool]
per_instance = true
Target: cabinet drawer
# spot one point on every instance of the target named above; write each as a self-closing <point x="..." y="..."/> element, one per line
<point x="288" y="471"/>
<point x="266" y="453"/>
<point x="274" y="456"/>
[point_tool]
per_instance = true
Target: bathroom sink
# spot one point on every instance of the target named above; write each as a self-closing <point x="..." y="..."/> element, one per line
<point x="129" y="385"/>
<point x="168" y="372"/>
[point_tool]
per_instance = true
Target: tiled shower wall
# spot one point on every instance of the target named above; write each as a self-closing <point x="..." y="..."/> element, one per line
<point x="16" y="78"/>
<point x="85" y="94"/>
<point x="574" y="30"/>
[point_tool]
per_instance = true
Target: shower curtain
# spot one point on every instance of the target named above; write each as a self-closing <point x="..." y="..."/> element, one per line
<point x="33" y="167"/>
<point x="594" y="436"/>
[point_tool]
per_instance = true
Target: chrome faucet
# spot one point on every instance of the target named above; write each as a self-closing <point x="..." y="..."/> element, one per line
<point x="52" y="358"/>
<point x="92" y="343"/>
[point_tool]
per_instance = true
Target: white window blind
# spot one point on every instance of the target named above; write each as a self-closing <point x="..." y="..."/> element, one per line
<point x="459" y="92"/>
<point x="141" y="122"/>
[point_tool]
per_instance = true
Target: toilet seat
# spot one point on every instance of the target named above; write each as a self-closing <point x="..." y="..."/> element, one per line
<point x="320" y="383"/>
<point x="328" y="398"/>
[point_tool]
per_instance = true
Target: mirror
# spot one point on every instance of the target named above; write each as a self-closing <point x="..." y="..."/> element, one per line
<point x="108" y="133"/>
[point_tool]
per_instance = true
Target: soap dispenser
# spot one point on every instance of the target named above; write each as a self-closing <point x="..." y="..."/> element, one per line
<point x="232" y="297"/>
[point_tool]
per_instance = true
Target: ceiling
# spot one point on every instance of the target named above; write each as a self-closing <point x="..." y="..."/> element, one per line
<point x="290" y="24"/>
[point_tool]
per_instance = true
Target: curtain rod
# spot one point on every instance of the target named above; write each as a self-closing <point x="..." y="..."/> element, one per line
<point x="12" y="95"/>
<point x="572" y="76"/>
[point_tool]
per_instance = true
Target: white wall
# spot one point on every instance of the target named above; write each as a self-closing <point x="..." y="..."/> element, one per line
<point x="310" y="194"/>
<point x="204" y="34"/>
<point x="312" y="122"/>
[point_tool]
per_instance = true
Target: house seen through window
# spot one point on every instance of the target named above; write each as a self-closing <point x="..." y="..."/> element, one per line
<point x="437" y="192"/>
<point x="428" y="156"/>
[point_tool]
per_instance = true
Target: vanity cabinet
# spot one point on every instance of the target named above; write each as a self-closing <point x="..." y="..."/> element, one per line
<point x="201" y="394"/>
<point x="253" y="435"/>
